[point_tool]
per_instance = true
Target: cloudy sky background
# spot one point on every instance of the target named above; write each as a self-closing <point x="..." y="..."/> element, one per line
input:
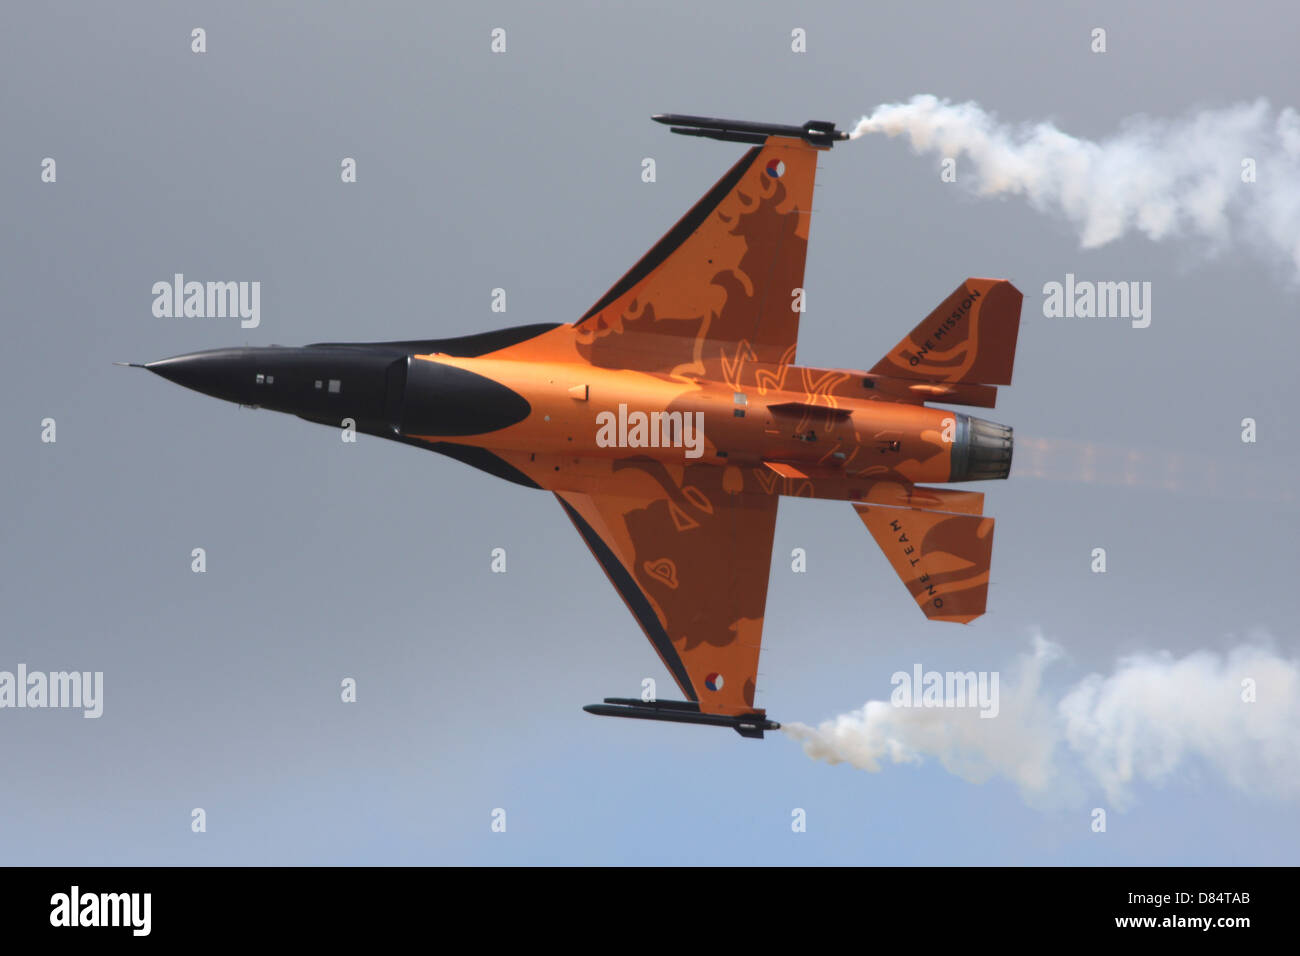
<point x="372" y="560"/>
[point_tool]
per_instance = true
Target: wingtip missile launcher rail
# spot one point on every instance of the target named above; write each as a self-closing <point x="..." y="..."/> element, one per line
<point x="820" y="133"/>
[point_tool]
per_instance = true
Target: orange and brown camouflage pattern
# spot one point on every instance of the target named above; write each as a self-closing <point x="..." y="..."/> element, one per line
<point x="706" y="324"/>
<point x="700" y="555"/>
<point x="970" y="337"/>
<point x="942" y="558"/>
<point x="725" y="300"/>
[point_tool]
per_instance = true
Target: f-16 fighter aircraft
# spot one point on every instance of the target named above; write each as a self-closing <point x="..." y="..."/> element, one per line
<point x="671" y="417"/>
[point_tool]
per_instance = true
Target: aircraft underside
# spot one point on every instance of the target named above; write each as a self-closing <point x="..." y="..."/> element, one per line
<point x="671" y="417"/>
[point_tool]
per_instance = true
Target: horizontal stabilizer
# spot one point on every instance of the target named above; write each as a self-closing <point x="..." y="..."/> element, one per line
<point x="894" y="494"/>
<point x="943" y="558"/>
<point x="946" y="499"/>
<point x="970" y="337"/>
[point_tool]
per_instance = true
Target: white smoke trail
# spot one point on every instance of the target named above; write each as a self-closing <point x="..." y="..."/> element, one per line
<point x="1155" y="716"/>
<point x="1161" y="177"/>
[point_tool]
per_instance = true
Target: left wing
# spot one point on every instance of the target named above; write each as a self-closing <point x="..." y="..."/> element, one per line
<point x="691" y="560"/>
<point x="723" y="289"/>
<point x="719" y="296"/>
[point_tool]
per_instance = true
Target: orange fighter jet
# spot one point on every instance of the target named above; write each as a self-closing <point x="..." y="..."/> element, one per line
<point x="671" y="417"/>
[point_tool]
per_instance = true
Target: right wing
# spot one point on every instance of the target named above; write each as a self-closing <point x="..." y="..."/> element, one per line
<point x="691" y="560"/>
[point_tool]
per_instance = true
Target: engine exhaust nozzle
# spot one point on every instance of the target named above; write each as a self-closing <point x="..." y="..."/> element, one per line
<point x="981" y="451"/>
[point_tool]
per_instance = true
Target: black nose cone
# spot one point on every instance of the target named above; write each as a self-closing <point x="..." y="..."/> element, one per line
<point x="222" y="373"/>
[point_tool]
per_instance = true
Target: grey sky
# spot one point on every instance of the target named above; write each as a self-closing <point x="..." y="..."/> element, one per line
<point x="522" y="170"/>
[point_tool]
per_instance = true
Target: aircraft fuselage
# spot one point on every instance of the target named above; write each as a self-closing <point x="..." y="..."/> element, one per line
<point x="840" y="435"/>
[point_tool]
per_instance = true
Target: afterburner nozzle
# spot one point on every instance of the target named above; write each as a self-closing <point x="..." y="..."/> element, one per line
<point x="981" y="450"/>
